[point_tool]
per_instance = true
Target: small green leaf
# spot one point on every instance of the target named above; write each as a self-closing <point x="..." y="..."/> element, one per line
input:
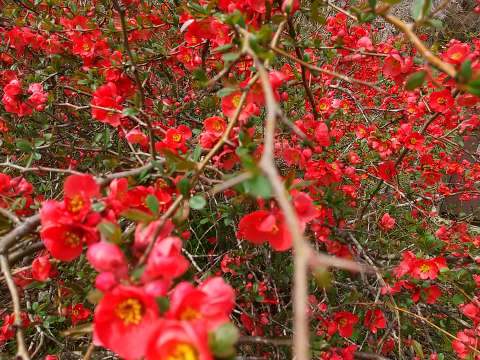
<point x="420" y="9"/>
<point x="152" y="203"/>
<point x="163" y="304"/>
<point x="466" y="71"/>
<point x="258" y="186"/>
<point x="129" y="112"/>
<point x="225" y="91"/>
<point x="415" y="80"/>
<point x="197" y="202"/>
<point x="137" y="215"/>
<point x="230" y="57"/>
<point x="184" y="186"/>
<point x="223" y="340"/>
<point x="24" y="146"/>
<point x="110" y="231"/>
<point x="473" y="90"/>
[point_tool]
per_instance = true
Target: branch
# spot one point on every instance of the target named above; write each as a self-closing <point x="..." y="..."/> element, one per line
<point x="123" y="22"/>
<point x="21" y="348"/>
<point x="327" y="72"/>
<point x="407" y="29"/>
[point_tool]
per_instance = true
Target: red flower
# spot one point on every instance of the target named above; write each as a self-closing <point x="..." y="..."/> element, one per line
<point x="166" y="260"/>
<point x="464" y="342"/>
<point x="414" y="141"/>
<point x="419" y="268"/>
<point x="124" y="321"/>
<point x="231" y="102"/>
<point x="441" y="101"/>
<point x="109" y="101"/>
<point x="77" y="313"/>
<point x="387" y="170"/>
<point x="210" y="304"/>
<point x="261" y="226"/>
<point x="135" y="136"/>
<point x="344" y="322"/>
<point x="41" y="268"/>
<point x="214" y="128"/>
<point x="387" y="222"/>
<point x="457" y="53"/>
<point x="107" y="257"/>
<point x="374" y="320"/>
<point x="62" y="236"/>
<point x="78" y="191"/>
<point x="176" y="138"/>
<point x="322" y="135"/>
<point x="178" y="340"/>
<point x="433" y="293"/>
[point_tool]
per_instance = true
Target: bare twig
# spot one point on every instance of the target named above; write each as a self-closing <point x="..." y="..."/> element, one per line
<point x="21" y="348"/>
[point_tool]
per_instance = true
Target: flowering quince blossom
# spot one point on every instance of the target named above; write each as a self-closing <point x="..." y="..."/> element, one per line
<point x="13" y="103"/>
<point x="178" y="340"/>
<point x="270" y="226"/>
<point x="41" y="268"/>
<point x="387" y="222"/>
<point x="68" y="225"/>
<point x="107" y="104"/>
<point x="420" y="268"/>
<point x="124" y="321"/>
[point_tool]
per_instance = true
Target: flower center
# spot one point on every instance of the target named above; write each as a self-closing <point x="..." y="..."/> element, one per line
<point x="456" y="56"/>
<point x="130" y="311"/>
<point x="323" y="106"/>
<point x="236" y="100"/>
<point x="75" y="204"/>
<point x="177" y="137"/>
<point x="425" y="268"/>
<point x="441" y="100"/>
<point x="72" y="239"/>
<point x="183" y="351"/>
<point x="217" y="126"/>
<point x="413" y="141"/>
<point x="190" y="314"/>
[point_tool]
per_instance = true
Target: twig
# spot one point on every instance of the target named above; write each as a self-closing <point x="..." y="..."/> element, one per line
<point x="21" y="348"/>
<point x="327" y="72"/>
<point x="123" y="22"/>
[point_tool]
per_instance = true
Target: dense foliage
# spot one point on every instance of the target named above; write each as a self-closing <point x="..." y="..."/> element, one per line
<point x="190" y="180"/>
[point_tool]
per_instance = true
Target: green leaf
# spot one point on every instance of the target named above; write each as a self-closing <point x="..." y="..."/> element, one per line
<point x="466" y="71"/>
<point x="230" y="57"/>
<point x="197" y="202"/>
<point x="163" y="304"/>
<point x="420" y="9"/>
<point x="184" y="186"/>
<point x="24" y="145"/>
<point x="258" y="186"/>
<point x="137" y="215"/>
<point x="417" y="347"/>
<point x="473" y="90"/>
<point x="173" y="159"/>
<point x="315" y="13"/>
<point x="152" y="203"/>
<point x="110" y="231"/>
<point x="391" y="2"/>
<point x="415" y="80"/>
<point x="225" y="91"/>
<point x="129" y="112"/>
<point x="223" y="340"/>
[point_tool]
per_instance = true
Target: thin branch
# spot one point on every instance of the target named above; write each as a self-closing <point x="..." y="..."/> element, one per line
<point x="21" y="348"/>
<point x="324" y="71"/>
<point x="123" y="22"/>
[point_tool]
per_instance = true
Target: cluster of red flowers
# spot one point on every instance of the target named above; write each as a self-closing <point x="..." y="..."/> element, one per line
<point x="128" y="319"/>
<point x="11" y="189"/>
<point x="16" y="102"/>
